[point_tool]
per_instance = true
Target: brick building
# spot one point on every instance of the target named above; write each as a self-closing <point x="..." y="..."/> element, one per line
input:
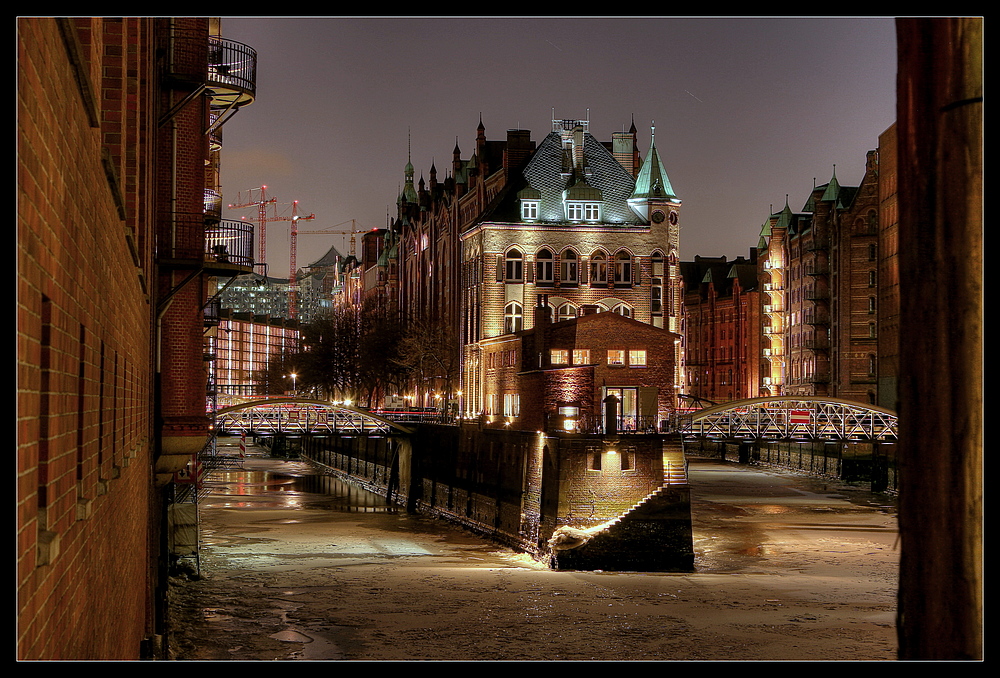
<point x="828" y="287"/>
<point x="241" y="346"/>
<point x="559" y="375"/>
<point x="583" y="224"/>
<point x="721" y="328"/>
<point x="119" y="237"/>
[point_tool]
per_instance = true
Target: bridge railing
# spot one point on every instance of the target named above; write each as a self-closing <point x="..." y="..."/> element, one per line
<point x="783" y="418"/>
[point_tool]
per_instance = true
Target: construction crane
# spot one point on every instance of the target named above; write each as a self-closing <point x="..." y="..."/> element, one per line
<point x="331" y="231"/>
<point x="257" y="197"/>
<point x="292" y="302"/>
<point x="293" y="288"/>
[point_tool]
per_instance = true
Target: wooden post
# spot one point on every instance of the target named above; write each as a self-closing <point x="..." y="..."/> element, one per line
<point x="940" y="151"/>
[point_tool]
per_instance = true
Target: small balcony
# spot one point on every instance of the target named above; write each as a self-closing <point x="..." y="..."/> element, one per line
<point x="223" y="248"/>
<point x="232" y="73"/>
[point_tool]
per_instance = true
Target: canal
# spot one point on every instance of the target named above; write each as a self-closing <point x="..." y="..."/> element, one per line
<point x="299" y="566"/>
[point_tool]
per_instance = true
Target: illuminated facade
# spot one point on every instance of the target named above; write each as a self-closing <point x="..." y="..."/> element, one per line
<point x="721" y="328"/>
<point x="559" y="375"/>
<point x="584" y="224"/>
<point x="820" y="292"/>
<point x="241" y="346"/>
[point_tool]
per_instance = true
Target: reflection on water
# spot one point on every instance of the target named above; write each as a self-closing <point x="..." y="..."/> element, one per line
<point x="292" y="486"/>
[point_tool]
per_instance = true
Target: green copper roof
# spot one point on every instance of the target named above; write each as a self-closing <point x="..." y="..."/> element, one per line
<point x="832" y="191"/>
<point x="652" y="181"/>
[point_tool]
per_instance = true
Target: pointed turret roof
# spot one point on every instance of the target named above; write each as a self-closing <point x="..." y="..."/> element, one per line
<point x="652" y="181"/>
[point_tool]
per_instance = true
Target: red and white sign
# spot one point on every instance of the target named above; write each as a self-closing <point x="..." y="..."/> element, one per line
<point x="799" y="416"/>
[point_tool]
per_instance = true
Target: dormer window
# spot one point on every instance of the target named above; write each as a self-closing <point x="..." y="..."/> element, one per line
<point x="529" y="210"/>
<point x="583" y="211"/>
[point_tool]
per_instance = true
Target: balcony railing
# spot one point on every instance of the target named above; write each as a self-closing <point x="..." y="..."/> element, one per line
<point x="232" y="73"/>
<point x="230" y="242"/>
<point x="213" y="205"/>
<point x="221" y="247"/>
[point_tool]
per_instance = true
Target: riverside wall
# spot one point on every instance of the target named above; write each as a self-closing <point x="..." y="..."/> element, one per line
<point x="871" y="463"/>
<point x="517" y="487"/>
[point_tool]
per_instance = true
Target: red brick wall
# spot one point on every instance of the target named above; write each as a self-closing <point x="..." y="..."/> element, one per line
<point x="83" y="329"/>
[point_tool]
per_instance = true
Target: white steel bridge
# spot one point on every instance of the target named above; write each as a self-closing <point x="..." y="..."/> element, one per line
<point x="290" y="415"/>
<point x="783" y="418"/>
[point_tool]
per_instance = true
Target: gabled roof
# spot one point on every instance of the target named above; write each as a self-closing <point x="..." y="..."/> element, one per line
<point x="544" y="173"/>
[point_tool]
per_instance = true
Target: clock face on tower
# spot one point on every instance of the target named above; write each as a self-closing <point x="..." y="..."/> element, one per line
<point x="673" y="218"/>
<point x="658" y="216"/>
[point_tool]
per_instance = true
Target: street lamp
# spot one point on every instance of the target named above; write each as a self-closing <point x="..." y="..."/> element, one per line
<point x="293" y="376"/>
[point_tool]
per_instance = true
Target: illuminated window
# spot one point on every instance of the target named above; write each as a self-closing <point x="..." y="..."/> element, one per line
<point x="637" y="358"/>
<point x="616" y="357"/>
<point x="511" y="404"/>
<point x="568" y="274"/>
<point x="574" y="211"/>
<point x="513" y="266"/>
<point x="529" y="209"/>
<point x="581" y="356"/>
<point x="592" y="211"/>
<point x="559" y="356"/>
<point x="543" y="267"/>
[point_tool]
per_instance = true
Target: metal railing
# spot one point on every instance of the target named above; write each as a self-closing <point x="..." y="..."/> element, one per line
<point x="187" y="239"/>
<point x="232" y="72"/>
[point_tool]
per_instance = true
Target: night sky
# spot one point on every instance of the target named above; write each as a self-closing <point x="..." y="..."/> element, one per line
<point x="746" y="110"/>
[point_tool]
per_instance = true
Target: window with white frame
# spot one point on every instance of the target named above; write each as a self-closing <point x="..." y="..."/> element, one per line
<point x="574" y="211"/>
<point x="598" y="268"/>
<point x="581" y="356"/>
<point x="568" y="274"/>
<point x="529" y="210"/>
<point x="566" y="312"/>
<point x="544" y="272"/>
<point x="513" y="266"/>
<point x="592" y="211"/>
<point x="511" y="404"/>
<point x="637" y="357"/>
<point x="559" y="356"/>
<point x="623" y="269"/>
<point x="513" y="318"/>
<point x="616" y="356"/>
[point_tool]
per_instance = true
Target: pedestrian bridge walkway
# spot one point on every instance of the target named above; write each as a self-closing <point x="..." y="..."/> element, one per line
<point x="306" y="415"/>
<point x="783" y="418"/>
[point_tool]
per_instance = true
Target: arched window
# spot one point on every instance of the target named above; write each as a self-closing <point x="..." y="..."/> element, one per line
<point x="598" y="268"/>
<point x="566" y="312"/>
<point x="513" y="266"/>
<point x="656" y="262"/>
<point x="623" y="309"/>
<point x="623" y="269"/>
<point x="513" y="318"/>
<point x="568" y="272"/>
<point x="543" y="267"/>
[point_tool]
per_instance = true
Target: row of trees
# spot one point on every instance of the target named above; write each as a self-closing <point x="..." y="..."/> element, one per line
<point x="364" y="353"/>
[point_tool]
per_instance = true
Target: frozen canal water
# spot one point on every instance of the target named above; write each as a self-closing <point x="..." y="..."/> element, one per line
<point x="296" y="566"/>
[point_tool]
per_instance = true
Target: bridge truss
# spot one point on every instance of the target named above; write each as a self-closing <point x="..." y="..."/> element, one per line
<point x="302" y="415"/>
<point x="806" y="418"/>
